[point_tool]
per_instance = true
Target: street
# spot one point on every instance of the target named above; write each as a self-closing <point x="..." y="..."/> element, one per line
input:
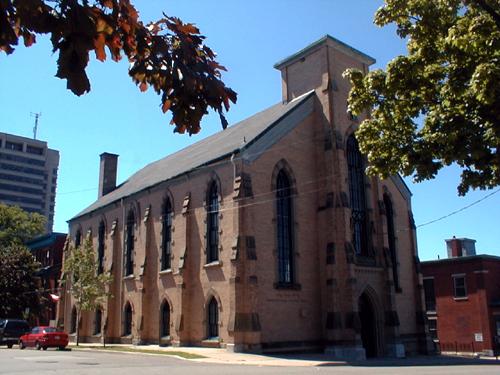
<point x="15" y="361"/>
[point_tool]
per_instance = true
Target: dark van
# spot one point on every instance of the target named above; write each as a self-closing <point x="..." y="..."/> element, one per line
<point x="11" y="330"/>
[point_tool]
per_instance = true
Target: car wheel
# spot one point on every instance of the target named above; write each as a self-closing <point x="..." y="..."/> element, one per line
<point x="21" y="345"/>
<point x="10" y="346"/>
<point x="44" y="347"/>
<point x="38" y="346"/>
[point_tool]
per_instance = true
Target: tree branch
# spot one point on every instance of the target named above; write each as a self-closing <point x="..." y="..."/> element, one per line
<point x="487" y="8"/>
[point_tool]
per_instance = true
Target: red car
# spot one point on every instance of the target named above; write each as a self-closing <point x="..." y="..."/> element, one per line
<point x="43" y="338"/>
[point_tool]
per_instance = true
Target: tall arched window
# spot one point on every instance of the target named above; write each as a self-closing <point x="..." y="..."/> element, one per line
<point x="357" y="195"/>
<point x="129" y="245"/>
<point x="166" y="246"/>
<point x="127" y="320"/>
<point x="212" y="223"/>
<point x="213" y="319"/>
<point x="100" y="247"/>
<point x="284" y="222"/>
<point x="74" y="317"/>
<point x="98" y="322"/>
<point x="78" y="238"/>
<point x="391" y="237"/>
<point x="165" y="320"/>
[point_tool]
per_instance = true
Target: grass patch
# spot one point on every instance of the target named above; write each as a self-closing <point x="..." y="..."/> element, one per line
<point x="147" y="351"/>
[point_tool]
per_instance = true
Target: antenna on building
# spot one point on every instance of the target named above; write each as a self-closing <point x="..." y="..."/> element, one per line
<point x="35" y="128"/>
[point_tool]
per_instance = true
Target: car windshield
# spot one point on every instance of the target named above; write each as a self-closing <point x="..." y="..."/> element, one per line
<point x="49" y="329"/>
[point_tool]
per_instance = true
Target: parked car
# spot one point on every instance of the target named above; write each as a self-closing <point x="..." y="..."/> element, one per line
<point x="43" y="338"/>
<point x="11" y="330"/>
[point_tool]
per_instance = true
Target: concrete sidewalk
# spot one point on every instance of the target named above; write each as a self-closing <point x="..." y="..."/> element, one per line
<point x="222" y="356"/>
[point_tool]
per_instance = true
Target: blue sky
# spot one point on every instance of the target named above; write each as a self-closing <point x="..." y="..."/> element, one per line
<point x="249" y="37"/>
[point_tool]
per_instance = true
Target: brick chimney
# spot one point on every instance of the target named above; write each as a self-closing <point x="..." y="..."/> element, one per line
<point x="107" y="173"/>
<point x="459" y="247"/>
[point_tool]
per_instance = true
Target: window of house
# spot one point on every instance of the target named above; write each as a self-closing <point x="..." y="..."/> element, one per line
<point x="73" y="320"/>
<point x="213" y="319"/>
<point x="129" y="245"/>
<point x="391" y="237"/>
<point x="100" y="247"/>
<point x="284" y="230"/>
<point x="212" y="223"/>
<point x="459" y="286"/>
<point x="34" y="150"/>
<point x="167" y="236"/>
<point x="127" y="320"/>
<point x="165" y="319"/>
<point x="357" y="194"/>
<point x="430" y="295"/>
<point x="14" y="146"/>
<point x="98" y="322"/>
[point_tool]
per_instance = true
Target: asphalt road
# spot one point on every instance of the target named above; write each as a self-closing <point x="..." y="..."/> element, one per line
<point x="17" y="362"/>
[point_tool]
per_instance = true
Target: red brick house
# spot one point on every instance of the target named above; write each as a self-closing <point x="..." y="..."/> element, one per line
<point x="48" y="251"/>
<point x="462" y="296"/>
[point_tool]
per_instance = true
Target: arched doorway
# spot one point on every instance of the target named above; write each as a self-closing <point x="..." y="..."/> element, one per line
<point x="368" y="326"/>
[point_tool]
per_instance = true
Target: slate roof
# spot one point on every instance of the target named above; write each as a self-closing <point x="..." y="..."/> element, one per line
<point x="218" y="146"/>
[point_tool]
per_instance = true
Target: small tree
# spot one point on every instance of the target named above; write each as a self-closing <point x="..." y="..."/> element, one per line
<point x="87" y="287"/>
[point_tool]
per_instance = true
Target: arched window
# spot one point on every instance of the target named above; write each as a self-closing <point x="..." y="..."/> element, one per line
<point x="127" y="320"/>
<point x="213" y="319"/>
<point x="391" y="237"/>
<point x="98" y="322"/>
<point x="165" y="320"/>
<point x="357" y="195"/>
<point x="166" y="235"/>
<point x="100" y="247"/>
<point x="212" y="223"/>
<point x="129" y="245"/>
<point x="284" y="230"/>
<point x="74" y="317"/>
<point x="78" y="238"/>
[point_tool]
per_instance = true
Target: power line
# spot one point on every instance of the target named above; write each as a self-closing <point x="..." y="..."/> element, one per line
<point x="459" y="210"/>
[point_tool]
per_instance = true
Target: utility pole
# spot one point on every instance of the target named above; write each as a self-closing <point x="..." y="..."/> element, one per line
<point x="35" y="128"/>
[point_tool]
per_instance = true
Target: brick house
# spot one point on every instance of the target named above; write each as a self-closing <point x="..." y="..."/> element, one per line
<point x="264" y="236"/>
<point x="48" y="251"/>
<point x="462" y="297"/>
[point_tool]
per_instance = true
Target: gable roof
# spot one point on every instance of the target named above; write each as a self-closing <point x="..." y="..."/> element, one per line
<point x="235" y="138"/>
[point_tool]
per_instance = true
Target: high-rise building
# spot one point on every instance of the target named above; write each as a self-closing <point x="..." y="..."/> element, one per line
<point x="28" y="175"/>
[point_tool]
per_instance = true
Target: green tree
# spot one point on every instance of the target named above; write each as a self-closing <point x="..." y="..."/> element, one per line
<point x="167" y="55"/>
<point x="440" y="104"/>
<point x="86" y="285"/>
<point x="18" y="226"/>
<point x="18" y="284"/>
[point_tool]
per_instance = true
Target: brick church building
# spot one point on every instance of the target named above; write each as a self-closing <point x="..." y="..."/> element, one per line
<point x="265" y="236"/>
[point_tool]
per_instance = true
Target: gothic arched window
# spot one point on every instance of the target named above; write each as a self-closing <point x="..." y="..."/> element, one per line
<point x="284" y="228"/>
<point x="212" y="223"/>
<point x="357" y="196"/>
<point x="391" y="237"/>
<point x="129" y="245"/>
<point x="166" y="245"/>
<point x="100" y="247"/>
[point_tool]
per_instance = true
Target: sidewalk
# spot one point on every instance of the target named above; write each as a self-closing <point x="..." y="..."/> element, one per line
<point x="222" y="356"/>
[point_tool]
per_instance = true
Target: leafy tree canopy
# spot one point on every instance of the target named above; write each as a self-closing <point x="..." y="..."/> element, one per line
<point x="450" y="78"/>
<point x="167" y="55"/>
<point x="18" y="226"/>
<point x="18" y="289"/>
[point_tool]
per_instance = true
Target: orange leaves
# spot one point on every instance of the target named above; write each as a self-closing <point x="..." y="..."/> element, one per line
<point x="167" y="55"/>
<point x="99" y="44"/>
